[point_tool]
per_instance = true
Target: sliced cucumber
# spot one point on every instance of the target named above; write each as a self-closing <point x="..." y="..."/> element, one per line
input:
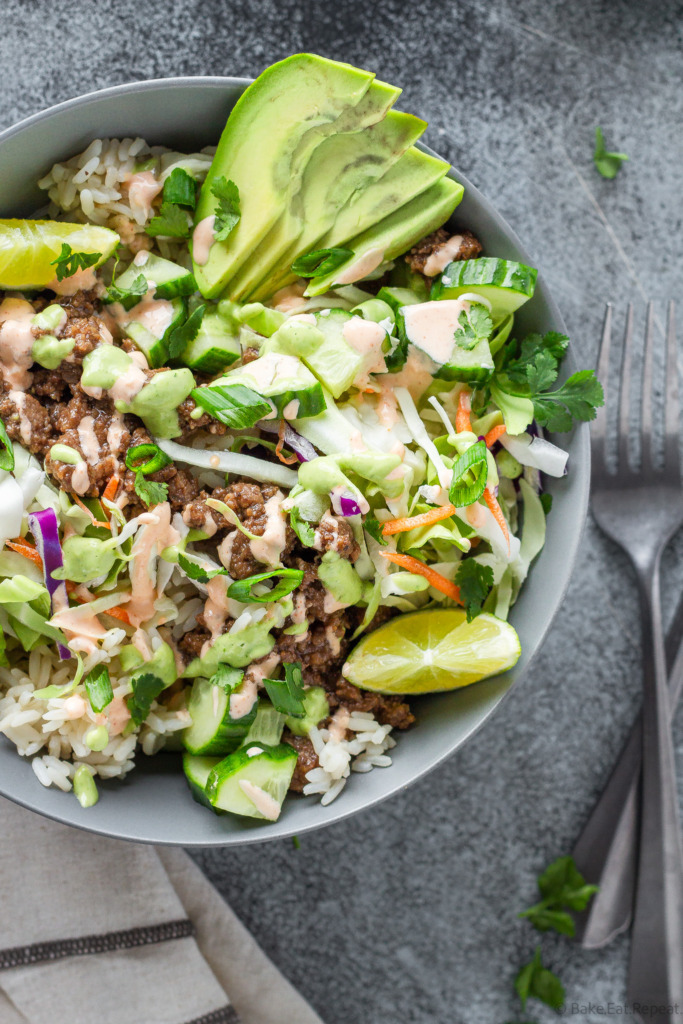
<point x="155" y="348"/>
<point x="284" y="380"/>
<point x="316" y="708"/>
<point x="197" y="770"/>
<point x="267" y="726"/>
<point x="215" y="347"/>
<point x="433" y="328"/>
<point x="213" y="730"/>
<point x="253" y="781"/>
<point x="169" y="280"/>
<point x="506" y="285"/>
<point x="397" y="297"/>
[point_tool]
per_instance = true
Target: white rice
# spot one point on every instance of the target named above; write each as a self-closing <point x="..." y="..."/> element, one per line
<point x="337" y="758"/>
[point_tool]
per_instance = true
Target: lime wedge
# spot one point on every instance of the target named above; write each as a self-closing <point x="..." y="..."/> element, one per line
<point x="28" y="247"/>
<point x="432" y="650"/>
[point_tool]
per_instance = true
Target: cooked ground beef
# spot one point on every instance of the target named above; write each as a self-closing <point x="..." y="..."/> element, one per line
<point x="189" y="426"/>
<point x="335" y="534"/>
<point x="307" y="759"/>
<point x="470" y="247"/>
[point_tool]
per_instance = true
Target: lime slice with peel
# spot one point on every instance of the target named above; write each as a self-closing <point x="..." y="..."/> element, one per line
<point x="29" y="247"/>
<point x="437" y="649"/>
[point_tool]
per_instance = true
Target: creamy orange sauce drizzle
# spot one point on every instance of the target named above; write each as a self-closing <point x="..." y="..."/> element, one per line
<point x="442" y="256"/>
<point x="82" y="630"/>
<point x="432" y="326"/>
<point x="372" y="259"/>
<point x="82" y="280"/>
<point x="416" y="376"/>
<point x="143" y="188"/>
<point x="16" y="342"/>
<point x="289" y="298"/>
<point x="262" y="801"/>
<point x="202" y="240"/>
<point x="25" y="428"/>
<point x="270" y="545"/>
<point x="80" y="478"/>
<point x="242" y="701"/>
<point x="87" y="438"/>
<point x="149" y="543"/>
<point x="366" y="337"/>
<point x="115" y="432"/>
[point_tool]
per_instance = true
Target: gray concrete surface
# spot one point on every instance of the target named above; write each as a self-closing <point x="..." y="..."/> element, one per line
<point x="408" y="913"/>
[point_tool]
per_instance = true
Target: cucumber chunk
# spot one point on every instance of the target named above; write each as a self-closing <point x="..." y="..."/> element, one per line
<point x="397" y="297"/>
<point x="506" y="285"/>
<point x="433" y="328"/>
<point x="168" y="279"/>
<point x="267" y="726"/>
<point x="253" y="781"/>
<point x="284" y="380"/>
<point x="197" y="770"/>
<point x="213" y="730"/>
<point x="215" y="347"/>
<point x="155" y="348"/>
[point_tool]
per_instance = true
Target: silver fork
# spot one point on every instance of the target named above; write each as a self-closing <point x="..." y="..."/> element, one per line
<point x="641" y="509"/>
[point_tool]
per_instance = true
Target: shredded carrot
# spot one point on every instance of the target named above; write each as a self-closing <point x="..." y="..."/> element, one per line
<point x="494" y="434"/>
<point x="109" y="492"/>
<point x="25" y="548"/>
<point x="419" y="568"/>
<point x="287" y="459"/>
<point x="117" y="612"/>
<point x="475" y="542"/>
<point x="96" y="522"/>
<point x="462" y="417"/>
<point x="412" y="522"/>
<point x="497" y="513"/>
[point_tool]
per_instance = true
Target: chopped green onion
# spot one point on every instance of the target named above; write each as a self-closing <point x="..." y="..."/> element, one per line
<point x="320" y="262"/>
<point x="7" y="451"/>
<point x="146" y="459"/>
<point x="470" y="472"/>
<point x="97" y="738"/>
<point x="287" y="695"/>
<point x="66" y="454"/>
<point x="242" y="590"/>
<point x="85" y="789"/>
<point x="98" y="688"/>
<point x="235" y="405"/>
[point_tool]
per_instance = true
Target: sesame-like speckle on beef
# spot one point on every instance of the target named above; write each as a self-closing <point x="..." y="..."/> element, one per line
<point x="470" y="248"/>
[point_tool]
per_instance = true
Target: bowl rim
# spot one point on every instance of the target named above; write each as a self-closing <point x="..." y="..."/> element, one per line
<point x="570" y="552"/>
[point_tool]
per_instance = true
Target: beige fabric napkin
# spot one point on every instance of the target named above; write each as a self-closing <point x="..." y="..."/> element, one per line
<point x="98" y="931"/>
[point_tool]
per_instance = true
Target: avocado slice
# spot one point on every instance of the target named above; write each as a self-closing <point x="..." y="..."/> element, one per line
<point x="340" y="167"/>
<point x="394" y="235"/>
<point x="408" y="177"/>
<point x="271" y="132"/>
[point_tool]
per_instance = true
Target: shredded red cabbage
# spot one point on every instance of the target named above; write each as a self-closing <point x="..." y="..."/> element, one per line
<point x="45" y="529"/>
<point x="302" y="448"/>
<point x="344" y="504"/>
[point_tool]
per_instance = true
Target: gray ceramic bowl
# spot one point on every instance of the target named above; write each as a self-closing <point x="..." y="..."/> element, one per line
<point x="154" y="804"/>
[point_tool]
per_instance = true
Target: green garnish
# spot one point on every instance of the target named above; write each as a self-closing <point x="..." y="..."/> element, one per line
<point x="227" y="677"/>
<point x="242" y="590"/>
<point x="535" y="981"/>
<point x="171" y="222"/>
<point x="302" y="529"/>
<point x="68" y="261"/>
<point x="287" y="695"/>
<point x="607" y="164"/>
<point x="475" y="325"/>
<point x="6" y="451"/>
<point x="228" y="212"/>
<point x="196" y="571"/>
<point x="181" y="336"/>
<point x="128" y="297"/>
<point x="321" y="262"/>
<point x="474" y="581"/>
<point x="98" y="688"/>
<point x="546" y="501"/>
<point x="563" y="888"/>
<point x="146" y="688"/>
<point x="144" y="459"/>
<point x="237" y="406"/>
<point x="180" y="188"/>
<point x="374" y="528"/>
<point x="534" y="347"/>
<point x="470" y="473"/>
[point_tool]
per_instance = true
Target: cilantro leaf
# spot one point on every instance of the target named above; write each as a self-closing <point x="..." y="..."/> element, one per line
<point x="546" y="501"/>
<point x="170" y="222"/>
<point x="98" y="688"/>
<point x="576" y="399"/>
<point x="320" y="262"/>
<point x="228" y="212"/>
<point x="474" y="581"/>
<point x="287" y="695"/>
<point x="180" y="188"/>
<point x="196" y="571"/>
<point x="289" y="580"/>
<point x="535" y="981"/>
<point x="302" y="529"/>
<point x="128" y="297"/>
<point x="544" y="919"/>
<point x="374" y="528"/>
<point x="563" y="883"/>
<point x="607" y="164"/>
<point x="542" y="372"/>
<point x="68" y="261"/>
<point x="148" y="491"/>
<point x="146" y="688"/>
<point x="474" y="325"/>
<point x="552" y="342"/>
<point x="227" y="677"/>
<point x="181" y="336"/>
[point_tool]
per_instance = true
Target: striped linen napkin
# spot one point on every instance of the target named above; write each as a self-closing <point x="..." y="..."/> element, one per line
<point x="99" y="931"/>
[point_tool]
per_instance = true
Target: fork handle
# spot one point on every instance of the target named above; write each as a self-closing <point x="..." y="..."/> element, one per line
<point x="655" y="973"/>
